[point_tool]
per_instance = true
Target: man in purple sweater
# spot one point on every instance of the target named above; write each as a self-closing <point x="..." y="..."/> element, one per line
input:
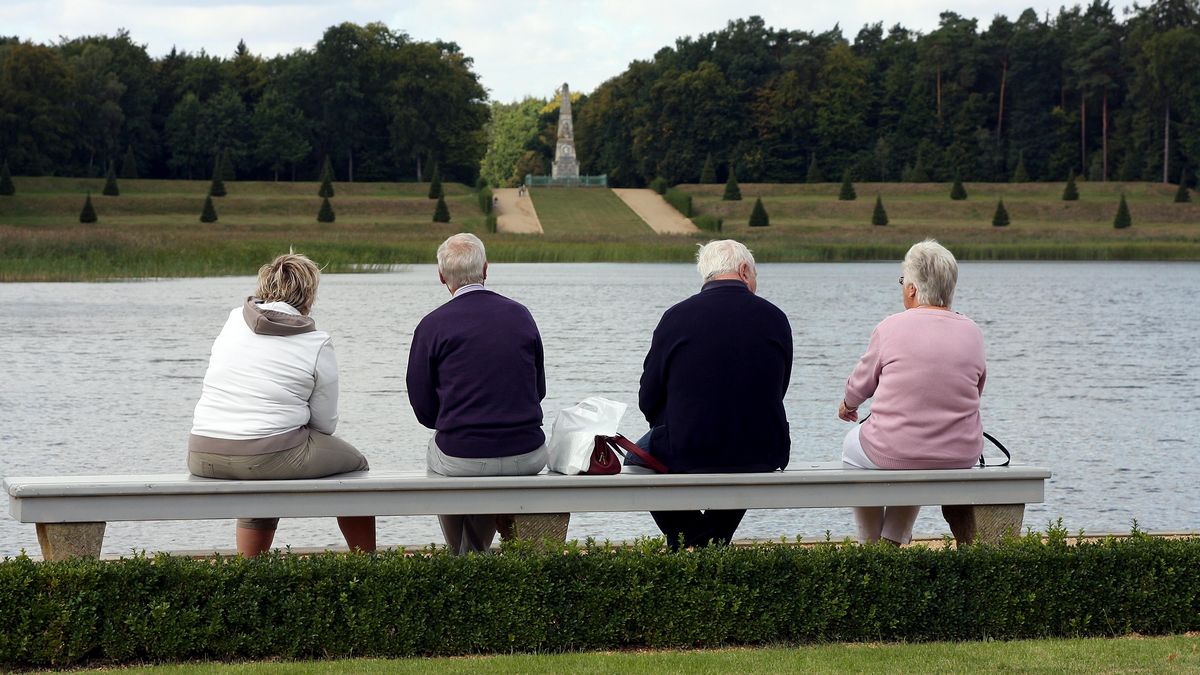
<point x="713" y="385"/>
<point x="476" y="376"/>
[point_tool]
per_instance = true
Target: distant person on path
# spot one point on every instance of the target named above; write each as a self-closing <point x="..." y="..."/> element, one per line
<point x="925" y="369"/>
<point x="713" y="384"/>
<point x="269" y="405"/>
<point x="476" y="376"/>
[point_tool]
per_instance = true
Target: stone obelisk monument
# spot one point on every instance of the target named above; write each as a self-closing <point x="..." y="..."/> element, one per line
<point x="565" y="163"/>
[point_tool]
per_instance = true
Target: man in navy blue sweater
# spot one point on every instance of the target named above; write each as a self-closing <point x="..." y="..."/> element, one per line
<point x="476" y="376"/>
<point x="713" y="385"/>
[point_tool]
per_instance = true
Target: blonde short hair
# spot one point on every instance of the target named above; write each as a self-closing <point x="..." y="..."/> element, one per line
<point x="932" y="269"/>
<point x="290" y="278"/>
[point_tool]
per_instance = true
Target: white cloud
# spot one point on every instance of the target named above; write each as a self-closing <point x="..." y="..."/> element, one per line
<point x="519" y="48"/>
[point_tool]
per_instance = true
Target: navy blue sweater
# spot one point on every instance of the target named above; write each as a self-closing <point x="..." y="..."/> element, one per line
<point x="476" y="375"/>
<point x="713" y="383"/>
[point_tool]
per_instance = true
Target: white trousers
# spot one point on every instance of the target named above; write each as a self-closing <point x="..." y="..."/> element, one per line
<point x="894" y="523"/>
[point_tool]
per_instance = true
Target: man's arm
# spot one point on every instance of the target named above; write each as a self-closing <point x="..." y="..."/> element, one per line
<point x="652" y="395"/>
<point x="422" y="379"/>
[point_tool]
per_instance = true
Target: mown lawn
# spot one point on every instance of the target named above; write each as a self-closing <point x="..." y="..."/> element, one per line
<point x="585" y="211"/>
<point x="1116" y="655"/>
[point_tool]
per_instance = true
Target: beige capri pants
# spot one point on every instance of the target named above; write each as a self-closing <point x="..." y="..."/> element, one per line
<point x="322" y="455"/>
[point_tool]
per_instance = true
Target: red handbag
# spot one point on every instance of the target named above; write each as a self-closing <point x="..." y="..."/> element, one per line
<point x="608" y="451"/>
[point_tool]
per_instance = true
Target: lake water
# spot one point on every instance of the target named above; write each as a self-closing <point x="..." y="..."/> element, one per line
<point x="1093" y="372"/>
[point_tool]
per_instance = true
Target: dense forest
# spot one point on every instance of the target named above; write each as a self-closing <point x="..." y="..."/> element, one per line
<point x="1035" y="98"/>
<point x="380" y="105"/>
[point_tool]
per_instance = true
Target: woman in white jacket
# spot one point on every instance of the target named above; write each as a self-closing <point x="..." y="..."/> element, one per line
<point x="270" y="401"/>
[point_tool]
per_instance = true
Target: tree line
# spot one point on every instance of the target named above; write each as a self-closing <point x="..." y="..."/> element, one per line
<point x="380" y="105"/>
<point x="1036" y="97"/>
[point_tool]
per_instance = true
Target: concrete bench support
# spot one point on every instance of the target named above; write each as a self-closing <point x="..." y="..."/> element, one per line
<point x="62" y="541"/>
<point x="536" y="527"/>
<point x="986" y="523"/>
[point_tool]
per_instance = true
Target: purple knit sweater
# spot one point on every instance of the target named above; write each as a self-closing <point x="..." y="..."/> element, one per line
<point x="476" y="375"/>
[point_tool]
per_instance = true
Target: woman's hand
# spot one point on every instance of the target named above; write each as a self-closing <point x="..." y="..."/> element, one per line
<point x="847" y="414"/>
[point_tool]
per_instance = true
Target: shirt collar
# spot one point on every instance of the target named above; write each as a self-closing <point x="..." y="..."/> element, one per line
<point x="467" y="289"/>
<point x="723" y="283"/>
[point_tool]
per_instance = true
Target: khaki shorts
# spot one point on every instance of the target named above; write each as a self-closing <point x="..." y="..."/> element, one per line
<point x="322" y="455"/>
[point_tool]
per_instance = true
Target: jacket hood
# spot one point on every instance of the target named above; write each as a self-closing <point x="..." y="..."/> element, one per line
<point x="270" y="322"/>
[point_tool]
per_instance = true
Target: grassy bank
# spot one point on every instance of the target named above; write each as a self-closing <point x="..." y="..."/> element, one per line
<point x="1145" y="655"/>
<point x="153" y="228"/>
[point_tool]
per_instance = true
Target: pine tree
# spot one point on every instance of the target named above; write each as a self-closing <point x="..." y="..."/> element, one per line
<point x="435" y="185"/>
<point x="879" y="216"/>
<point x="918" y="173"/>
<point x="1000" y="218"/>
<point x="88" y="214"/>
<point x="732" y="192"/>
<point x="227" y="171"/>
<point x="759" y="217"/>
<point x="958" y="192"/>
<point x="1181" y="194"/>
<point x="110" y="182"/>
<point x="441" y="214"/>
<point x="847" y="193"/>
<point x="7" y="188"/>
<point x="217" y="187"/>
<point x="1070" y="192"/>
<point x="1123" y="220"/>
<point x="209" y="214"/>
<point x="1020" y="174"/>
<point x="326" y="189"/>
<point x="814" y="175"/>
<point x="708" y="174"/>
<point x="325" y="215"/>
<point x="129" y="165"/>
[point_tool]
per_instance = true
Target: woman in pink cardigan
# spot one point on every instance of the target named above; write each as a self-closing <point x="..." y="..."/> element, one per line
<point x="925" y="369"/>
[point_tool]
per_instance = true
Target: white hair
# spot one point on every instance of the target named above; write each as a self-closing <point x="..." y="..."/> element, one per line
<point x="724" y="256"/>
<point x="933" y="271"/>
<point x="461" y="259"/>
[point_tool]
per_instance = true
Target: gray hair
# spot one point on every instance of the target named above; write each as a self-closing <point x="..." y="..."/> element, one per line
<point x="933" y="271"/>
<point x="461" y="259"/>
<point x="724" y="256"/>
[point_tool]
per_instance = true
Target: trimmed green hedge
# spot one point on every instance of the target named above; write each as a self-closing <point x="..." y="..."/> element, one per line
<point x="681" y="200"/>
<point x="597" y="597"/>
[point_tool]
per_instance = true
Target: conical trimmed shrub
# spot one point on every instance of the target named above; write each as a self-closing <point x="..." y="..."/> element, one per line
<point x="326" y="189"/>
<point x="732" y="192"/>
<point x="217" y="187"/>
<point x="847" y="193"/>
<point x="110" y="183"/>
<point x="814" y="175"/>
<point x="88" y="214"/>
<point x="227" y="171"/>
<point x="1181" y="194"/>
<point x="7" y="188"/>
<point x="1020" y="174"/>
<point x="325" y="215"/>
<point x="708" y="173"/>
<point x="958" y="192"/>
<point x="879" y="215"/>
<point x="435" y="184"/>
<point x="1070" y="192"/>
<point x="129" y="165"/>
<point x="441" y="214"/>
<point x="1123" y="219"/>
<point x="1000" y="218"/>
<point x="209" y="214"/>
<point x="919" y="174"/>
<point x="759" y="217"/>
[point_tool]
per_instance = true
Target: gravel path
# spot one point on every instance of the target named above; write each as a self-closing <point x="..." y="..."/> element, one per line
<point x="658" y="214"/>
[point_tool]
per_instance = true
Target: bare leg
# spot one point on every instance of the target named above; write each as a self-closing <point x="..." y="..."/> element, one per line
<point x="870" y="523"/>
<point x="359" y="532"/>
<point x="251" y="541"/>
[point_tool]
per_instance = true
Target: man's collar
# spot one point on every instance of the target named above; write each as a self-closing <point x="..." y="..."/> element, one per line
<point x="723" y="283"/>
<point x="467" y="289"/>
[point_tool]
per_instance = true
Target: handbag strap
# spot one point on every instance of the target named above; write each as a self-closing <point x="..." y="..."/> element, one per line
<point x="650" y="461"/>
<point x="998" y="444"/>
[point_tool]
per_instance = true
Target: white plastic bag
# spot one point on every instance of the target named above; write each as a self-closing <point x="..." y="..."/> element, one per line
<point x="573" y="436"/>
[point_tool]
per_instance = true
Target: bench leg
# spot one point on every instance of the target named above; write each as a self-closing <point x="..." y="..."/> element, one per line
<point x="535" y="527"/>
<point x="987" y="523"/>
<point x="61" y="541"/>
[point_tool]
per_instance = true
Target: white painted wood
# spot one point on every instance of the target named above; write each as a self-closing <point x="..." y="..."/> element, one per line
<point x="66" y="499"/>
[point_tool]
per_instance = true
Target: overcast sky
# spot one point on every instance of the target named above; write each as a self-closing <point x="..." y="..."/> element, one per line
<point x="522" y="47"/>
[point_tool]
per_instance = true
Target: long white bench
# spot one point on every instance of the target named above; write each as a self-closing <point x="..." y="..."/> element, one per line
<point x="71" y="511"/>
